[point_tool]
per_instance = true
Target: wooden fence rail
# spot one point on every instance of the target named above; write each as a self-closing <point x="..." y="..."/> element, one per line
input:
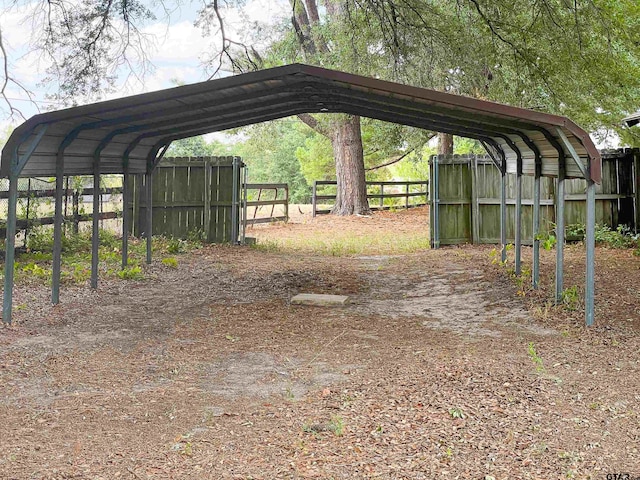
<point x="75" y="216"/>
<point x="381" y="195"/>
<point x="276" y="188"/>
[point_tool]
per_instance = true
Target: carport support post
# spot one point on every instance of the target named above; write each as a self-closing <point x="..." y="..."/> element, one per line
<point x="10" y="251"/>
<point x="589" y="306"/>
<point x="149" y="235"/>
<point x="57" y="232"/>
<point x="95" y="230"/>
<point x="126" y="193"/>
<point x="503" y="215"/>
<point x="518" y="233"/>
<point x="535" y="274"/>
<point x="560" y="237"/>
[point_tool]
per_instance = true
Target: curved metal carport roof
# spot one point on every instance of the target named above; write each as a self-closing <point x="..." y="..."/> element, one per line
<point x="129" y="135"/>
<point x="130" y="131"/>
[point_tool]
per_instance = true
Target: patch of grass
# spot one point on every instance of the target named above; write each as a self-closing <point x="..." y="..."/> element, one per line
<point x="535" y="358"/>
<point x="171" y="262"/>
<point x="336" y="425"/>
<point x="131" y="273"/>
<point x="269" y="246"/>
<point x="570" y="298"/>
<point x="347" y="245"/>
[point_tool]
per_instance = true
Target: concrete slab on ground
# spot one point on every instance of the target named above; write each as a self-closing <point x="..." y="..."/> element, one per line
<point x="320" y="300"/>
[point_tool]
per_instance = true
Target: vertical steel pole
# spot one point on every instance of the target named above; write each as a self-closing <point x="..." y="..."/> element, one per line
<point x="149" y="178"/>
<point x="244" y="205"/>
<point x="10" y="251"/>
<point x="589" y="306"/>
<point x="234" y="202"/>
<point x="503" y="216"/>
<point x="560" y="231"/>
<point x="95" y="230"/>
<point x="126" y="194"/>
<point x="518" y="233"/>
<point x="57" y="231"/>
<point x="436" y="202"/>
<point x="535" y="274"/>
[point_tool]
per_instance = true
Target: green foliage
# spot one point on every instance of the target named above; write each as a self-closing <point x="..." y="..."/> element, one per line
<point x="270" y="154"/>
<point x="199" y="147"/>
<point x="621" y="237"/>
<point x="456" y="412"/>
<point x="570" y="298"/>
<point x="176" y="245"/>
<point x="171" y="262"/>
<point x="547" y="240"/>
<point x="535" y="358"/>
<point x="131" y="273"/>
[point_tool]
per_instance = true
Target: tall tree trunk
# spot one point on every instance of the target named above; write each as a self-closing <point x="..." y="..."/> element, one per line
<point x="346" y="141"/>
<point x="445" y="143"/>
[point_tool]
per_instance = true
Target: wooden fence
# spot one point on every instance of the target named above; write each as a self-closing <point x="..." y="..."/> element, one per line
<point x="377" y="193"/>
<point x="469" y="198"/>
<point x="191" y="196"/>
<point x="280" y="193"/>
<point x="30" y="198"/>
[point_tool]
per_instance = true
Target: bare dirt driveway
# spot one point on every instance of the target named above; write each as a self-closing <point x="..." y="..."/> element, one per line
<point x="441" y="367"/>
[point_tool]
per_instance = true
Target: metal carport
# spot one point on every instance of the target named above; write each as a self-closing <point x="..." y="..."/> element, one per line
<point x="130" y="135"/>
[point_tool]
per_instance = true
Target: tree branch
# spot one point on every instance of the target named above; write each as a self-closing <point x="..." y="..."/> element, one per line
<point x="404" y="155"/>
<point x="314" y="124"/>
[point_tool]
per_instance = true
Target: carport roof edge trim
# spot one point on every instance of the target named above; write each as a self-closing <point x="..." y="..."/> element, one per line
<point x="454" y="104"/>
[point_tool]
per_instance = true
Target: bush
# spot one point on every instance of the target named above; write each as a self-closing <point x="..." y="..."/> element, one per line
<point x="619" y="238"/>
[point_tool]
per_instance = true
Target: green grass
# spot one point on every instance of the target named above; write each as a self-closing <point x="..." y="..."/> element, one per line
<point x="34" y="266"/>
<point x="346" y="245"/>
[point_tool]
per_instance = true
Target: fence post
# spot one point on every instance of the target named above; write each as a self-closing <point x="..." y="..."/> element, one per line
<point x="381" y="196"/>
<point x="314" y="200"/>
<point x="75" y="206"/>
<point x="406" y="199"/>
<point x="286" y="205"/>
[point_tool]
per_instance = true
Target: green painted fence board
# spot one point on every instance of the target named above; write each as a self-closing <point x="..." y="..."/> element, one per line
<point x="189" y="195"/>
<point x="616" y="198"/>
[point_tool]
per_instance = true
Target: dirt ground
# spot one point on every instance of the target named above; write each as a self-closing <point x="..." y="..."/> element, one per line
<point x="442" y="366"/>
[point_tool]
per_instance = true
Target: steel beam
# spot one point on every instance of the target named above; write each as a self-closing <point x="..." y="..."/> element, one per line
<point x="234" y="201"/>
<point x="518" y="224"/>
<point x="10" y="250"/>
<point x="149" y="235"/>
<point x="126" y="199"/>
<point x="435" y="204"/>
<point x="95" y="230"/>
<point x="503" y="216"/>
<point x="589" y="300"/>
<point x="560" y="230"/>
<point x="535" y="273"/>
<point x="573" y="154"/>
<point x="57" y="231"/>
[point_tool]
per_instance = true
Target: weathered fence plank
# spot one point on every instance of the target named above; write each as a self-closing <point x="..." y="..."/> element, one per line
<point x="189" y="196"/>
<point x="469" y="198"/>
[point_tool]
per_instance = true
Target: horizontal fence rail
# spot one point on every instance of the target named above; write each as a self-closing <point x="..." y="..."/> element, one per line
<point x="280" y="194"/>
<point x="30" y="218"/>
<point x="377" y="193"/>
